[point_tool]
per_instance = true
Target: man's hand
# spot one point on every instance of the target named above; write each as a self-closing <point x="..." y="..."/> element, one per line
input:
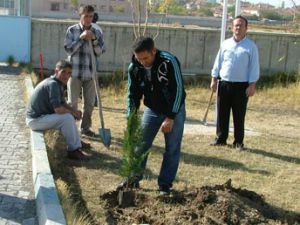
<point x="250" y="89"/>
<point x="77" y="114"/>
<point x="214" y="84"/>
<point x="87" y="35"/>
<point x="167" y="125"/>
<point x="68" y="109"/>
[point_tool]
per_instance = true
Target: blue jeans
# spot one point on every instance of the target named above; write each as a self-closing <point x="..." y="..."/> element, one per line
<point x="151" y="123"/>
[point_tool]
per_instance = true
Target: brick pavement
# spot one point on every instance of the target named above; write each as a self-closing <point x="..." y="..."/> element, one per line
<point x="17" y="204"/>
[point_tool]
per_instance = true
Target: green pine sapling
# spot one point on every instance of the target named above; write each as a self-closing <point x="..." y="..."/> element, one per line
<point x="132" y="156"/>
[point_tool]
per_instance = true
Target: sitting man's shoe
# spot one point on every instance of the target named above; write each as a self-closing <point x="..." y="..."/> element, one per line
<point x="76" y="155"/>
<point x="164" y="190"/>
<point x="218" y="143"/>
<point x="238" y="146"/>
<point x="88" y="133"/>
<point x="128" y="184"/>
<point x="85" y="145"/>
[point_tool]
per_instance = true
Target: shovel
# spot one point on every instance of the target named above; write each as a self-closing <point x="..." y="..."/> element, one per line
<point x="206" y="112"/>
<point x="104" y="134"/>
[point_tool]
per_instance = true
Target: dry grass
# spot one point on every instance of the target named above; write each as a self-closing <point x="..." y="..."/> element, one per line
<point x="71" y="208"/>
<point x="269" y="166"/>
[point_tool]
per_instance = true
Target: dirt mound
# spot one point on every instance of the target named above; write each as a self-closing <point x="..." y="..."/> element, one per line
<point x="220" y="204"/>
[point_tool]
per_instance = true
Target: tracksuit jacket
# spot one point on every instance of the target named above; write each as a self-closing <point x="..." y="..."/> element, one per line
<point x="163" y="91"/>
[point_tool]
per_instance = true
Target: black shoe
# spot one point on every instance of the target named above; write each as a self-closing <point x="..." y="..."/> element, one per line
<point x="128" y="184"/>
<point x="218" y="143"/>
<point x="76" y="155"/>
<point x="88" y="133"/>
<point x="85" y="145"/>
<point x="164" y="190"/>
<point x="238" y="146"/>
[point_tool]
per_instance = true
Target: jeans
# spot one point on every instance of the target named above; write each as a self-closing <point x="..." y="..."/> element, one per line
<point x="151" y="123"/>
<point x="63" y="122"/>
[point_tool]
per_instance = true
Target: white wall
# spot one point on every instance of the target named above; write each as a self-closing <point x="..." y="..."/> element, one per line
<point x="196" y="49"/>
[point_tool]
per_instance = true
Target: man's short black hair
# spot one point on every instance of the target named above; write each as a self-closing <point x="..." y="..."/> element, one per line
<point x="243" y="18"/>
<point x="86" y="9"/>
<point x="62" y="64"/>
<point x="143" y="44"/>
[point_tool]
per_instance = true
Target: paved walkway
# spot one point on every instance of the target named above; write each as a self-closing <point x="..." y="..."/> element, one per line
<point x="17" y="205"/>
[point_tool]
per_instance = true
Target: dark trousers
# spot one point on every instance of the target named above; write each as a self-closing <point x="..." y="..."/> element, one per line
<point x="231" y="95"/>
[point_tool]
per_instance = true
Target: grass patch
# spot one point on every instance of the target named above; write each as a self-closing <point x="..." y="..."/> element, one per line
<point x="269" y="166"/>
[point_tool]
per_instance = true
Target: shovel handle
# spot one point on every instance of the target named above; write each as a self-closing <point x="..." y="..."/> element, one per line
<point x="209" y="103"/>
<point x="96" y="83"/>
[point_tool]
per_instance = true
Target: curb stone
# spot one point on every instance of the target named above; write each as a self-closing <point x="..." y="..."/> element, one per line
<point x="48" y="208"/>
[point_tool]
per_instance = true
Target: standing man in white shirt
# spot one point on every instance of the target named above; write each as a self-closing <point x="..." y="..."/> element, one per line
<point x="237" y="69"/>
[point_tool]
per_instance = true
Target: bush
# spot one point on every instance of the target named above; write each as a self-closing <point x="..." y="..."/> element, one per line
<point x="10" y="60"/>
<point x="278" y="78"/>
<point x="26" y="67"/>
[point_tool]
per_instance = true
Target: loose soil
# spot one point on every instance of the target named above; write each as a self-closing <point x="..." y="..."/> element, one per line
<point x="207" y="205"/>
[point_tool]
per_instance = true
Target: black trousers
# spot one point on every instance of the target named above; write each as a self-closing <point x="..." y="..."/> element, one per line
<point x="231" y="96"/>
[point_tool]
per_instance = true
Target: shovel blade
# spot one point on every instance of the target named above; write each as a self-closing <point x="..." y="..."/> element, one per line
<point x="105" y="136"/>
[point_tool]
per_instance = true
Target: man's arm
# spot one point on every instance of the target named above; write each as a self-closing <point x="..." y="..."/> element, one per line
<point x="72" y="41"/>
<point x="214" y="83"/>
<point x="173" y="91"/>
<point x="134" y="91"/>
<point x="215" y="72"/>
<point x="172" y="83"/>
<point x="253" y="72"/>
<point x="251" y="89"/>
<point x="98" y="41"/>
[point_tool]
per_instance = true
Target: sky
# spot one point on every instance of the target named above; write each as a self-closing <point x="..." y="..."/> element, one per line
<point x="277" y="3"/>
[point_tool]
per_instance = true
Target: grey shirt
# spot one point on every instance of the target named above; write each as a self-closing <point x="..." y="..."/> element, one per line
<point x="46" y="96"/>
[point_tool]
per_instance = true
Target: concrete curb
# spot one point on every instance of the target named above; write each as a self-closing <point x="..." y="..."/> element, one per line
<point x="48" y="208"/>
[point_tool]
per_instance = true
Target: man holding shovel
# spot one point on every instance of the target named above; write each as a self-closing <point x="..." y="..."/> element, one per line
<point x="156" y="76"/>
<point x="47" y="109"/>
<point x="77" y="47"/>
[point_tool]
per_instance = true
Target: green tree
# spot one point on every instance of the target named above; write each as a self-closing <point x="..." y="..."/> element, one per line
<point x="205" y="11"/>
<point x="74" y="4"/>
<point x="231" y="10"/>
<point x="132" y="156"/>
<point x="270" y="14"/>
<point x="171" y="7"/>
<point x="252" y="17"/>
<point x="118" y="8"/>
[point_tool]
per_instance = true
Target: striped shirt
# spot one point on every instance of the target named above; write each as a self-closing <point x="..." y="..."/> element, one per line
<point x="79" y="52"/>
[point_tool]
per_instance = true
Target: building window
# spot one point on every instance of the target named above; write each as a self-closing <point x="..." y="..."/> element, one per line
<point x="54" y="6"/>
<point x="66" y="5"/>
<point x="10" y="4"/>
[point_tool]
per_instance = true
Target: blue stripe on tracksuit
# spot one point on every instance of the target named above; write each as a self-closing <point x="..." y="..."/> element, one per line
<point x="178" y="98"/>
<point x="129" y="84"/>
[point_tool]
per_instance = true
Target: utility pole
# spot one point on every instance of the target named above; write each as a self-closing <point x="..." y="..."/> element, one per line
<point x="295" y="8"/>
<point x="224" y="21"/>
<point x="223" y="34"/>
<point x="237" y="7"/>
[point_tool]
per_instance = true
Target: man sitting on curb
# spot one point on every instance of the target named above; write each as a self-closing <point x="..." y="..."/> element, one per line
<point x="47" y="109"/>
